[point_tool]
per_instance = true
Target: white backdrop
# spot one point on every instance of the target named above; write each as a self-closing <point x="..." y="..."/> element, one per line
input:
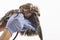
<point x="49" y="19"/>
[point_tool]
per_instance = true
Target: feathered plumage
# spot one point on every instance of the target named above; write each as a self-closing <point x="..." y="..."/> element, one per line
<point x="31" y="13"/>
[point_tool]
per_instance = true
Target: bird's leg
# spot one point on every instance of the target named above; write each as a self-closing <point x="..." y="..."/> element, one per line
<point x="6" y="35"/>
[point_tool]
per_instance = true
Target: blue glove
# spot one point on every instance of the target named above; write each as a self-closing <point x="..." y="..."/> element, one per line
<point x="17" y="23"/>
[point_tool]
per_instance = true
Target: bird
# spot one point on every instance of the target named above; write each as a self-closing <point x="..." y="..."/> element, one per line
<point x="30" y="23"/>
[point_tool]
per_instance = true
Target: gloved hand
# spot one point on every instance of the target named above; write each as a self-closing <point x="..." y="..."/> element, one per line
<point x="17" y="22"/>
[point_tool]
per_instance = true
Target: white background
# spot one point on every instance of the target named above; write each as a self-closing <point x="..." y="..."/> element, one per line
<point x="49" y="19"/>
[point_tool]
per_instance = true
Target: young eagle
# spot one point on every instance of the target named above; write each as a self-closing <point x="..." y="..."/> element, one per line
<point x="29" y="15"/>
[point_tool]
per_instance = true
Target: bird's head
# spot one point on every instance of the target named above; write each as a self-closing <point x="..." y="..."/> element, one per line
<point x="29" y="9"/>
